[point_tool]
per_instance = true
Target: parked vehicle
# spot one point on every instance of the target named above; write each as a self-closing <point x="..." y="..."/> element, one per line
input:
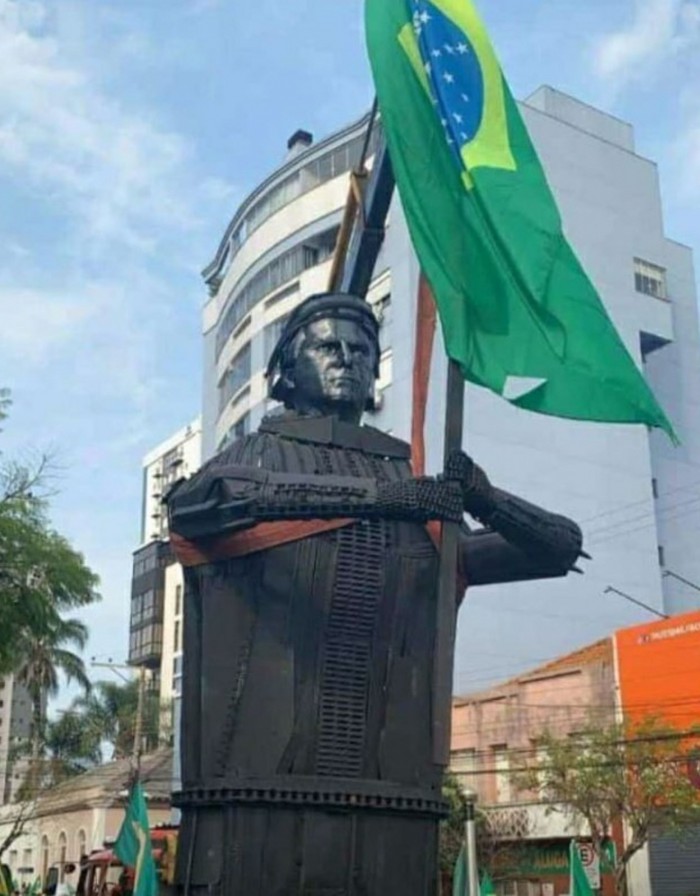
<point x="102" y="873"/>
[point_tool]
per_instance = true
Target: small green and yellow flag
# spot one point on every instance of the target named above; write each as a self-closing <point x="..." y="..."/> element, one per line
<point x="518" y="312"/>
<point x="133" y="845"/>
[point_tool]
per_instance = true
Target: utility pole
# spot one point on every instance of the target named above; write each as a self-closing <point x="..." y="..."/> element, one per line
<point x="139" y="719"/>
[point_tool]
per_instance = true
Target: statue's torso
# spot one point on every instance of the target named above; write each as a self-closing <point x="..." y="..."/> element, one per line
<point x="306" y="737"/>
<point x="315" y="656"/>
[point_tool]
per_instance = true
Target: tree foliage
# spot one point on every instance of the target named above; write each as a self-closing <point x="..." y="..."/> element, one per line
<point x="41" y="575"/>
<point x="635" y="774"/>
<point x="452" y="827"/>
<point x="111" y="710"/>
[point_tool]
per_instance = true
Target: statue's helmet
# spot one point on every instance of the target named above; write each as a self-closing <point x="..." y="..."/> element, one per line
<point x="320" y="306"/>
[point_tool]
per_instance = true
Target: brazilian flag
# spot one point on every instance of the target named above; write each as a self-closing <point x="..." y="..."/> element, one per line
<point x="518" y="312"/>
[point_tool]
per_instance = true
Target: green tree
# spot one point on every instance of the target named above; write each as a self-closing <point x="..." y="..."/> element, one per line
<point x="635" y="774"/>
<point x="452" y="828"/>
<point x="41" y="575"/>
<point x="111" y="710"/>
<point x="45" y="657"/>
<point x="71" y="746"/>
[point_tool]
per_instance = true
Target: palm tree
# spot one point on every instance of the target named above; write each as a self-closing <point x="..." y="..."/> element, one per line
<point x="111" y="709"/>
<point x="71" y="746"/>
<point x="45" y="656"/>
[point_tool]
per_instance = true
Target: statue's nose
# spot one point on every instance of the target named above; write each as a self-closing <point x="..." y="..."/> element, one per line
<point x="346" y="355"/>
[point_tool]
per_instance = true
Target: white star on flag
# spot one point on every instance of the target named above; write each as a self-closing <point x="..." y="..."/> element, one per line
<point x="457" y="117"/>
<point x="449" y="78"/>
<point x="462" y="48"/>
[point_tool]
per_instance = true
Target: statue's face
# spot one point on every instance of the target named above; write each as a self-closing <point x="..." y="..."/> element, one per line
<point x="334" y="369"/>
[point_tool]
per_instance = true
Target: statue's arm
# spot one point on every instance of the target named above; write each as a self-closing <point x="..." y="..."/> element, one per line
<point x="521" y="542"/>
<point x="229" y="498"/>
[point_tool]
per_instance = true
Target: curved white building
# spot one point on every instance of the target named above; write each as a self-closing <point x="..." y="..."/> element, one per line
<point x="276" y="250"/>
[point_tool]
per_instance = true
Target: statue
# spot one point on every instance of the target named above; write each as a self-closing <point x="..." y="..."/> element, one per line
<point x="311" y="573"/>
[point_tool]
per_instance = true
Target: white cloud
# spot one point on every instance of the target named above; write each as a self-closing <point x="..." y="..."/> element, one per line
<point x="121" y="174"/>
<point x="659" y="29"/>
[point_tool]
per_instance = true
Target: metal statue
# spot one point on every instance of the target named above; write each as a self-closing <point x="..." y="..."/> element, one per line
<point x="311" y="577"/>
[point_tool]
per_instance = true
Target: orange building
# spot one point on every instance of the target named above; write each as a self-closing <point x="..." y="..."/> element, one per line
<point x="658" y="675"/>
<point x="659" y="670"/>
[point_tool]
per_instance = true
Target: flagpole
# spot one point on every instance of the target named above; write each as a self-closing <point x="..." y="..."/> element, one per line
<point x="447" y="580"/>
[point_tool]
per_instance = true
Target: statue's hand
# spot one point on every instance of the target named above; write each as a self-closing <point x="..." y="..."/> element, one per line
<point x="477" y="491"/>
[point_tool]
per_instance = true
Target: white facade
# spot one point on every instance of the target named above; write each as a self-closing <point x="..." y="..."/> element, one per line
<point x="604" y="476"/>
<point x="178" y="456"/>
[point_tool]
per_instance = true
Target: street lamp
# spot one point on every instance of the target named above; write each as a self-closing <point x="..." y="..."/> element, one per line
<point x="470" y="798"/>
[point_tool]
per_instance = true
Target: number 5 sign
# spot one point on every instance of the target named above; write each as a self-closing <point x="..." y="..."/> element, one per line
<point x="591" y="864"/>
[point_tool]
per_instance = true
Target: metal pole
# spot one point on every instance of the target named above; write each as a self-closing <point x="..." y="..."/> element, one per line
<point x="138" y="726"/>
<point x="470" y="843"/>
<point x="447" y="582"/>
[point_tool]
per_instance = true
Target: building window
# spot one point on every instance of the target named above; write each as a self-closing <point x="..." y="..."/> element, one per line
<point x="237" y="431"/>
<point x="235" y="377"/>
<point x="62" y="854"/>
<point x="178" y="599"/>
<point x="335" y="162"/>
<point x="271" y="335"/>
<point x="662" y="558"/>
<point x="146" y="643"/>
<point x="44" y="857"/>
<point x="463" y="766"/>
<point x="82" y="843"/>
<point x="501" y="766"/>
<point x="650" y="279"/>
<point x="655" y="488"/>
<point x="280" y="270"/>
<point x="177" y="646"/>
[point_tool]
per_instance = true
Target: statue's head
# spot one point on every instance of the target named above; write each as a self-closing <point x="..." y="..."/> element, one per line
<point x="327" y="358"/>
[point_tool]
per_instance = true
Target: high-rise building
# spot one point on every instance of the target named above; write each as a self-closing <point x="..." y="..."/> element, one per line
<point x="636" y="496"/>
<point x="155" y="630"/>
<point x="15" y="726"/>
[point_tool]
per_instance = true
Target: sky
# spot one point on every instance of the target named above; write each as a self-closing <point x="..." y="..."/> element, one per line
<point x="130" y="130"/>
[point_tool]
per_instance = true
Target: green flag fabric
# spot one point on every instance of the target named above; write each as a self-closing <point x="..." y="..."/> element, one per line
<point x="459" y="877"/>
<point x="133" y="846"/>
<point x="486" y="887"/>
<point x="518" y="313"/>
<point x="579" y="884"/>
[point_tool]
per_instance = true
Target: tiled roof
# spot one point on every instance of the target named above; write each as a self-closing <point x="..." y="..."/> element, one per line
<point x="599" y="651"/>
<point x="104" y="784"/>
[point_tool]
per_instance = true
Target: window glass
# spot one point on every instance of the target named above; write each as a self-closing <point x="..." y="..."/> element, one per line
<point x="273" y="275"/>
<point x="649" y="278"/>
<point x="236" y="376"/>
<point x="272" y="333"/>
